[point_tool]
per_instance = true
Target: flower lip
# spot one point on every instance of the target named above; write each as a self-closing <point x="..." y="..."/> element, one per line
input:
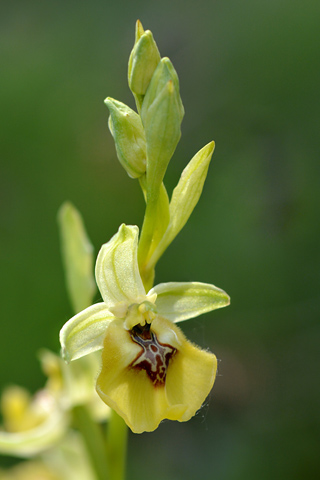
<point x="126" y="386"/>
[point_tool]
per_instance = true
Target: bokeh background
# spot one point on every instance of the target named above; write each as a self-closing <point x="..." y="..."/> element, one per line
<point x="249" y="74"/>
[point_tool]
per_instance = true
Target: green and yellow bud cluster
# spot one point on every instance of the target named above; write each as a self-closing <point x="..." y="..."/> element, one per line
<point x="145" y="143"/>
<point x="135" y="318"/>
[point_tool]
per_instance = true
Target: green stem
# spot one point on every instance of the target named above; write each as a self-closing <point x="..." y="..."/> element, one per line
<point x="117" y="434"/>
<point x="94" y="441"/>
<point x="147" y="231"/>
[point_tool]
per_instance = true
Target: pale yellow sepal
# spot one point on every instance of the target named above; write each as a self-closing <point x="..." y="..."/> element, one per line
<point x="190" y="376"/>
<point x="179" y="301"/>
<point x="126" y="128"/>
<point x="77" y="255"/>
<point x="117" y="271"/>
<point x="84" y="332"/>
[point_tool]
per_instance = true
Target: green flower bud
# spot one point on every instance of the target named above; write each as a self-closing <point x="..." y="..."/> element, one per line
<point x="143" y="61"/>
<point x="164" y="73"/>
<point x="162" y="112"/>
<point x="126" y="128"/>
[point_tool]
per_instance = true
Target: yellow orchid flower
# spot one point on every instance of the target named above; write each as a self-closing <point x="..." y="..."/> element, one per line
<point x="150" y="371"/>
<point x="32" y="424"/>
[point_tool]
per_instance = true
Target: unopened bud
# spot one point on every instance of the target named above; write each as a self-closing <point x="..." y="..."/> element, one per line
<point x="126" y="128"/>
<point x="164" y="73"/>
<point x="161" y="115"/>
<point x="143" y="61"/>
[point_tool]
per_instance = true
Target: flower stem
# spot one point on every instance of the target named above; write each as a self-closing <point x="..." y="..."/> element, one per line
<point x="147" y="232"/>
<point x="117" y="435"/>
<point x="94" y="441"/>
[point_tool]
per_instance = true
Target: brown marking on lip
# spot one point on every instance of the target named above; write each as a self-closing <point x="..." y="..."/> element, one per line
<point x="154" y="357"/>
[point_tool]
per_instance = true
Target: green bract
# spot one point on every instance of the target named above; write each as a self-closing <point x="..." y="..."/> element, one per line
<point x="77" y="255"/>
<point x="126" y="128"/>
<point x="184" y="198"/>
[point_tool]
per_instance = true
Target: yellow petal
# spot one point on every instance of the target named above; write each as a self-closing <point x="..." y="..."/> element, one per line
<point x="142" y="402"/>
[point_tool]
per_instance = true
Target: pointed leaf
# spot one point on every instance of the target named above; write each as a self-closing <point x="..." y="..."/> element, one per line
<point x="77" y="255"/>
<point x="184" y="198"/>
<point x="186" y="194"/>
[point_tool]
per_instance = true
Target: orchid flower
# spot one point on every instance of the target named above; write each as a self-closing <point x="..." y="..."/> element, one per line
<point x="150" y="371"/>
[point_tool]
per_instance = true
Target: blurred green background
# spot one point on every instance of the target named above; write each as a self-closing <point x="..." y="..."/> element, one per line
<point x="249" y="74"/>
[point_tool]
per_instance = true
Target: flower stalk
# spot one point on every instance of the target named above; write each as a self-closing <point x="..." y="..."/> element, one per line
<point x="94" y="441"/>
<point x="117" y="438"/>
<point x="132" y="364"/>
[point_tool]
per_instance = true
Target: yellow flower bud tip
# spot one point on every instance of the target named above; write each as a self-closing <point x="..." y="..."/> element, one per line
<point x="211" y="146"/>
<point x="115" y="105"/>
<point x="139" y="30"/>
